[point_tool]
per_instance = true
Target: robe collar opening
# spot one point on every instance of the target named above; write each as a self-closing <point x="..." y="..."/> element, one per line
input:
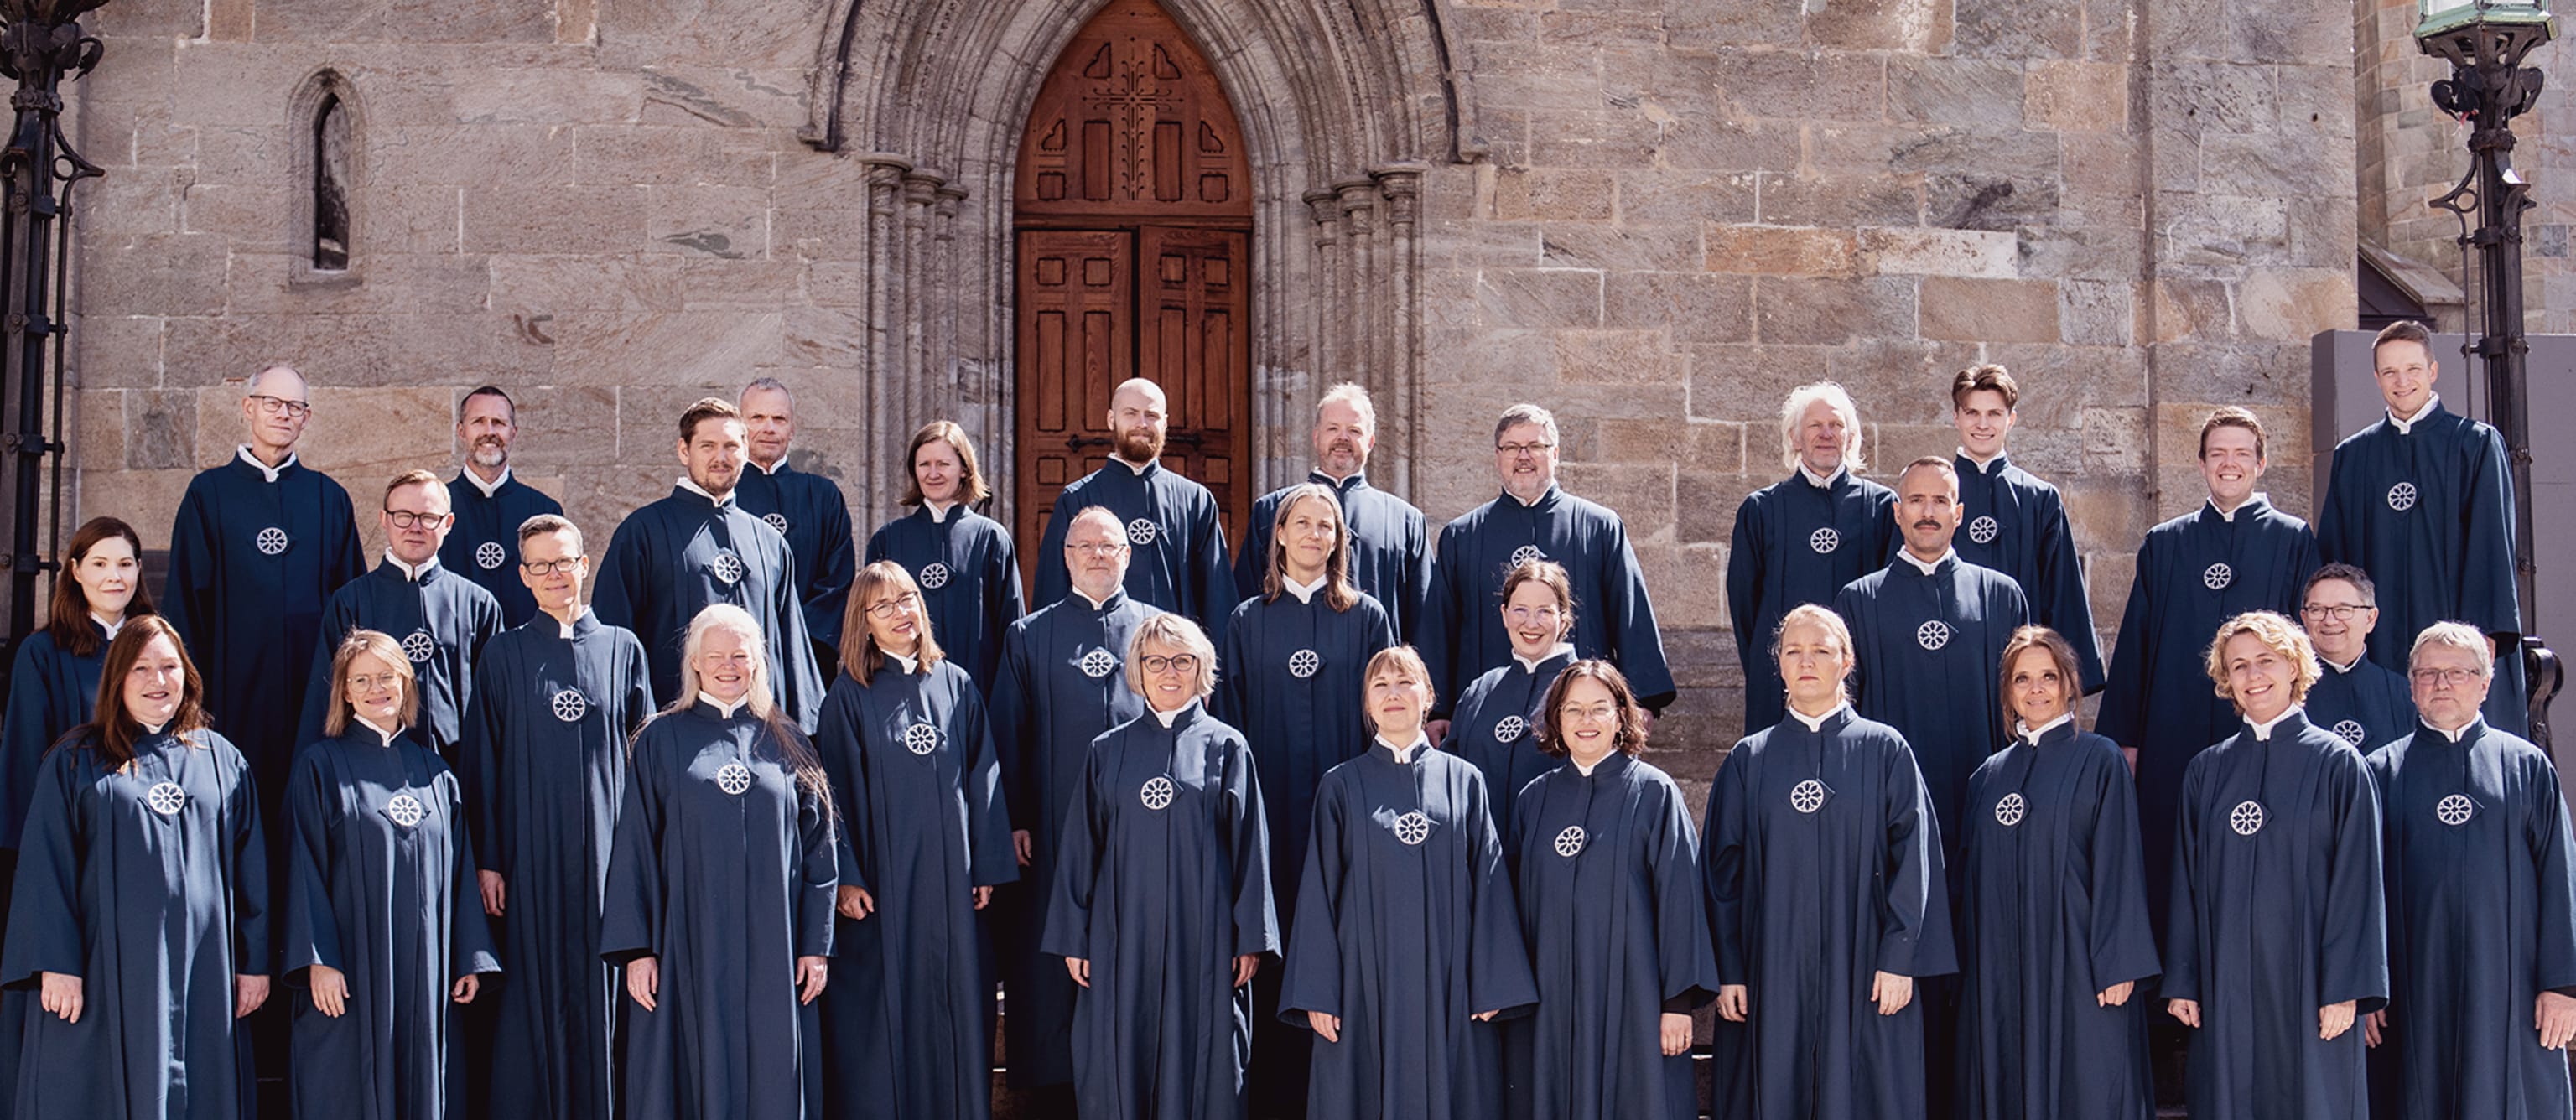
<point x="1098" y="605"/>
<point x="1823" y="482"/>
<point x="2263" y="731"/>
<point x="1357" y="481"/>
<point x="243" y="452"/>
<point x="2463" y="731"/>
<point x="1563" y="649"/>
<point x="911" y="665"/>
<point x="489" y="489"/>
<point x="1987" y="466"/>
<point x="384" y="735"/>
<point x="2033" y="735"/>
<point x="1817" y="723"/>
<point x="2405" y="425"/>
<point x="938" y="511"/>
<point x="1932" y="568"/>
<point x="724" y="710"/>
<point x="1305" y="592"/>
<point x="110" y="628"/>
<point x="701" y="491"/>
<point x="411" y="573"/>
<point x="1404" y="755"/>
<point x="1176" y="716"/>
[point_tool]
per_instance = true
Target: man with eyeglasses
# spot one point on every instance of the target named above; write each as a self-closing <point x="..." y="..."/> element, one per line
<point x="808" y="509"/>
<point x="1462" y="635"/>
<point x="2354" y="697"/>
<point x="2480" y="872"/>
<point x="1062" y="684"/>
<point x="1390" y="540"/>
<point x="1173" y="534"/>
<point x="555" y="702"/>
<point x="483" y="546"/>
<point x="442" y="619"/>
<point x="258" y="545"/>
<point x="1802" y="539"/>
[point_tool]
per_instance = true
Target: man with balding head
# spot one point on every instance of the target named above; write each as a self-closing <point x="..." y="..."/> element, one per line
<point x="258" y="545"/>
<point x="808" y="509"/>
<point x="1390" y="540"/>
<point x="1177" y="548"/>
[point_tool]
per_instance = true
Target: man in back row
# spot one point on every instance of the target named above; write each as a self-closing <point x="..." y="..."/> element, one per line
<point x="1390" y="540"/>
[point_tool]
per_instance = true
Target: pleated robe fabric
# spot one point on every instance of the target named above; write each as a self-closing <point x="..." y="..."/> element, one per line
<point x="1495" y="728"/>
<point x="812" y="513"/>
<point x="51" y="691"/>
<point x="442" y="620"/>
<point x="2016" y="524"/>
<point x="1390" y="547"/>
<point x="483" y="546"/>
<point x="1797" y="543"/>
<point x="1462" y="632"/>
<point x="1291" y="676"/>
<point x="685" y="553"/>
<point x="969" y="572"/>
<point x="2366" y="705"/>
<point x="1176" y="545"/>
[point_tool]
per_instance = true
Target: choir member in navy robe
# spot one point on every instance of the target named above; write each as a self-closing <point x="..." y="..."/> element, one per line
<point x="1535" y="519"/>
<point x="2016" y="522"/>
<point x="966" y="564"/>
<point x="808" y="509"/>
<point x="2235" y="554"/>
<point x="907" y="1024"/>
<point x="2053" y="934"/>
<point x="1610" y="908"/>
<point x="2354" y="697"/>
<point x="140" y="921"/>
<point x="1162" y="907"/>
<point x="1802" y="539"/>
<point x="491" y="504"/>
<point x="1825" y="901"/>
<point x="383" y="919"/>
<point x="2277" y="936"/>
<point x="2423" y="501"/>
<point x="2481" y="888"/>
<point x="256" y="549"/>
<point x="441" y="618"/>
<point x="544" y="771"/>
<point x="697" y="548"/>
<point x="1927" y="631"/>
<point x="1495" y="725"/>
<point x="1179" y="562"/>
<point x="1406" y="941"/>
<point x="1390" y="540"/>
<point x="720" y="894"/>
<point x="1059" y="689"/>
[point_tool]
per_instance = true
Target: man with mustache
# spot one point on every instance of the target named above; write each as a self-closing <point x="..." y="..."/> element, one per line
<point x="491" y="504"/>
<point x="2016" y="523"/>
<point x="1801" y="539"/>
<point x="808" y="509"/>
<point x="1390" y="539"/>
<point x="1178" y="548"/>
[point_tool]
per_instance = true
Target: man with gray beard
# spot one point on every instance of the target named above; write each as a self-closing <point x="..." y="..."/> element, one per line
<point x="490" y="505"/>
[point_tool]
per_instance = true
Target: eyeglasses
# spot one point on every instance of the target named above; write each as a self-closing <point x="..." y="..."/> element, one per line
<point x="1096" y="548"/>
<point x="2339" y="613"/>
<point x="362" y="684"/>
<point x="2456" y="678"/>
<point x="906" y="603"/>
<point x="1520" y="615"/>
<point x="1178" y="662"/>
<point x="277" y="405"/>
<point x="404" y="519"/>
<point x="1516" y="450"/>
<point x="550" y="567"/>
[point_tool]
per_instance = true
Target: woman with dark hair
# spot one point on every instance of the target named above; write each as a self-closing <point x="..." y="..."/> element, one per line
<point x="908" y="1019"/>
<point x="384" y="922"/>
<point x="720" y="893"/>
<point x="141" y="907"/>
<point x="54" y="686"/>
<point x="1495" y="723"/>
<point x="1610" y="907"/>
<point x="2053" y="931"/>
<point x="967" y="568"/>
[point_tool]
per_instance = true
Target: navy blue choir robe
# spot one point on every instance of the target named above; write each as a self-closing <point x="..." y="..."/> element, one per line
<point x="1163" y="881"/>
<point x="2194" y="572"/>
<point x="683" y="554"/>
<point x="253" y="558"/>
<point x="1798" y="543"/>
<point x="1462" y="632"/>
<point x="51" y="691"/>
<point x="1291" y="675"/>
<point x="1405" y="929"/>
<point x="906" y="1019"/>
<point x="1824" y="869"/>
<point x="1610" y="908"/>
<point x="380" y="886"/>
<point x="1926" y="650"/>
<point x="2277" y="912"/>
<point x="1390" y="547"/>
<point x="2367" y="704"/>
<point x="969" y="572"/>
<point x="1063" y="681"/>
<point x="442" y="620"/>
<point x="544" y="772"/>
<point x="1495" y="727"/>
<point x="2427" y="510"/>
<point x="2016" y="524"/>
<point x="1176" y="546"/>
<point x="483" y="546"/>
<point x="723" y="869"/>
<point x="2053" y="912"/>
<point x="151" y="884"/>
<point x="2481" y="890"/>
<point x="810" y="511"/>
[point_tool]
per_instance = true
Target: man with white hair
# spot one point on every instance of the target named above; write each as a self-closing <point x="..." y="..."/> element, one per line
<point x="483" y="546"/>
<point x="808" y="509"/>
<point x="1801" y="539"/>
<point x="1390" y="539"/>
<point x="1177" y="546"/>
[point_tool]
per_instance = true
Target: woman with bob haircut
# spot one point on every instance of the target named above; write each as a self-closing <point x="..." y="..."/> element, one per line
<point x="1826" y="898"/>
<point x="54" y="686"/>
<point x="965" y="564"/>
<point x="384" y="919"/>
<point x="140" y="913"/>
<point x="2277" y="936"/>
<point x="1162" y="905"/>
<point x="720" y="893"/>
<point x="1610" y="909"/>
<point x="1496" y="720"/>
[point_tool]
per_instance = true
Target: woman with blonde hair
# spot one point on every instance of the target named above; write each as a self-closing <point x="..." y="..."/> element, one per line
<point x="964" y="562"/>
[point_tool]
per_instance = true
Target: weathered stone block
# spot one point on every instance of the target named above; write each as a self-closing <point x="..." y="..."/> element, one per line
<point x="1983" y="254"/>
<point x="1677" y="196"/>
<point x="1804" y="311"/>
<point x="1630" y="357"/>
<point x="519" y="217"/>
<point x="696" y="156"/>
<point x="1654" y="248"/>
<point x="2071" y="95"/>
<point x="1733" y="380"/>
<point x="1696" y="307"/>
<point x="700" y="223"/>
<point x="1990" y="310"/>
<point x="664" y="348"/>
<point x="1524" y="194"/>
<point x="1780" y="250"/>
<point x="1841" y="200"/>
<point x="1977" y="93"/>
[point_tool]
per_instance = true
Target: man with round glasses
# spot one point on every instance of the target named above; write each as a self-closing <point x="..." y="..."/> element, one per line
<point x="2354" y="697"/>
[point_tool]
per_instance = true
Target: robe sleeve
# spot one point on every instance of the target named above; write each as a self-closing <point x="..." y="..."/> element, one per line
<point x="2123" y="715"/>
<point x="630" y="919"/>
<point x="1854" y="610"/>
<point x="1053" y="580"/>
<point x="625" y="574"/>
<point x="801" y="689"/>
<point x="817" y="872"/>
<point x="2489" y="592"/>
<point x="1498" y="967"/>
<point x="1685" y="962"/>
<point x="1744" y="580"/>
<point x="988" y="821"/>
<point x="338" y="619"/>
<point x="470" y="948"/>
<point x="25" y="736"/>
<point x="1211" y="578"/>
<point x="2338" y="528"/>
<point x="187" y="591"/>
<point x="834" y="570"/>
<point x="1252" y="561"/>
<point x="1637" y="645"/>
<point x="1232" y="701"/>
<point x="2182" y="908"/>
<point x="1915" y="940"/>
<point x="346" y="559"/>
<point x="252" y="946"/>
<point x="1077" y="865"/>
<point x="312" y="933"/>
<point x="2553" y="859"/>
<point x="2123" y="948"/>
<point x="1010" y="724"/>
<point x="1004" y="604"/>
<point x="2353" y="963"/>
<point x="837" y="734"/>
<point x="2061" y="597"/>
<point x="1722" y="867"/>
<point x="478" y="768"/>
<point x="1312" y="979"/>
<point x="45" y="918"/>
<point x="1438" y="640"/>
<point x="1256" y="915"/>
<point x="639" y="688"/>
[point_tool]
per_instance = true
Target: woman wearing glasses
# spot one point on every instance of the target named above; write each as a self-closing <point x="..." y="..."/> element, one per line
<point x="1495" y="724"/>
<point x="1162" y="904"/>
<point x="907" y="1023"/>
<point x="964" y="562"/>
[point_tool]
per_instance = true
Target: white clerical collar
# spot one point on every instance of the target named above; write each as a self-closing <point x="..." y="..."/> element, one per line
<point x="1167" y="718"/>
<point x="771" y="469"/>
<point x="488" y="488"/>
<point x="2251" y="500"/>
<point x="2263" y="731"/>
<point x="104" y="624"/>
<point x="2405" y="425"/>
<point x="2032" y="735"/>
<point x="1404" y="754"/>
<point x="1586" y="768"/>
<point x="1305" y="592"/>
<point x="243" y="450"/>
<point x="1822" y="482"/>
<point x="911" y="665"/>
<point x="409" y="572"/>
<point x="1319" y="474"/>
<point x="701" y="491"/>
<point x="1541" y="496"/>
<point x="1096" y="604"/>
<point x="1985" y="465"/>
<point x="568" y="626"/>
<point x="2457" y="733"/>
<point x="384" y="733"/>
<point x="1817" y="723"/>
<point x="722" y="708"/>
<point x="1920" y="565"/>
<point x="2346" y="667"/>
<point x="152" y="728"/>
<point x="1139" y="468"/>
<point x="1529" y="666"/>
<point x="938" y="510"/>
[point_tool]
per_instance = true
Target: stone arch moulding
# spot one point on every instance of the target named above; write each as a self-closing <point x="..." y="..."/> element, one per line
<point x="1344" y="108"/>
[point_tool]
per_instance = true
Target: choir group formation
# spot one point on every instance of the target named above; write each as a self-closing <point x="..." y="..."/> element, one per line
<point x="1354" y="824"/>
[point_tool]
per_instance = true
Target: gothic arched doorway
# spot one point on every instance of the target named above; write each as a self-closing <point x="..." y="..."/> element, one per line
<point x="1133" y="210"/>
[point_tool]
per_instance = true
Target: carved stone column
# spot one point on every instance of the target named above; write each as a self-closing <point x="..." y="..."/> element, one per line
<point x="1398" y="386"/>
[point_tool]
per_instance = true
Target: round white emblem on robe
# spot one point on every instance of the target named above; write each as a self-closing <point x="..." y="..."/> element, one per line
<point x="1526" y="553"/>
<point x="1413" y="828"/>
<point x="2351" y="730"/>
<point x="776" y="521"/>
<point x="270" y="541"/>
<point x="489" y="555"/>
<point x="934" y="577"/>
<point x="1983" y="530"/>
<point x="921" y="738"/>
<point x="1303" y="663"/>
<point x="1509" y="728"/>
<point x="406" y="810"/>
<point x="419" y="646"/>
<point x="1157" y="794"/>
<point x="1807" y="796"/>
<point x="728" y="568"/>
<point x="1569" y="843"/>
<point x="2454" y="810"/>
<point x="2401" y="497"/>
<point x="1098" y="663"/>
<point x="2009" y="810"/>
<point x="1824" y="541"/>
<point x="570" y="705"/>
<point x="1141" y="531"/>
<point x="2217" y="577"/>
<point x="734" y="778"/>
<point x="2246" y="818"/>
<point x="1932" y="635"/>
<point x="166" y="798"/>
